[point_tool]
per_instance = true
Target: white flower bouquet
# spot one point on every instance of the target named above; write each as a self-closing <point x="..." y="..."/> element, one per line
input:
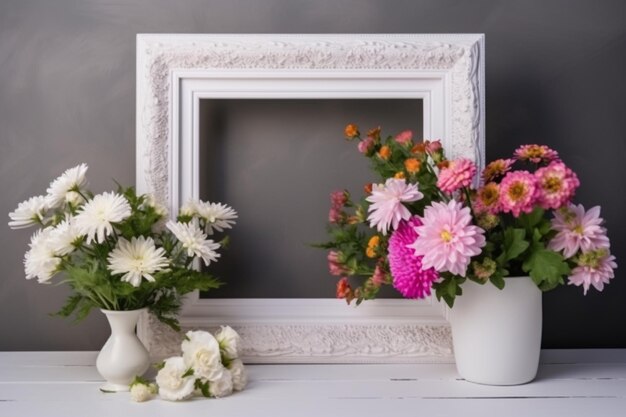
<point x="209" y="366"/>
<point x="117" y="250"/>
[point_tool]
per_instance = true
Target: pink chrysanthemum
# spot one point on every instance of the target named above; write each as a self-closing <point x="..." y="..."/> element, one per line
<point x="404" y="137"/>
<point x="517" y="192"/>
<point x="594" y="268"/>
<point x="409" y="278"/>
<point x="578" y="230"/>
<point x="536" y="153"/>
<point x="387" y="209"/>
<point x="446" y="239"/>
<point x="556" y="185"/>
<point x="497" y="169"/>
<point x="457" y="175"/>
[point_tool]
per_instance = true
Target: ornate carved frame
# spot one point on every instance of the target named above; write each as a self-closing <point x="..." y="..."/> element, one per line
<point x="174" y="72"/>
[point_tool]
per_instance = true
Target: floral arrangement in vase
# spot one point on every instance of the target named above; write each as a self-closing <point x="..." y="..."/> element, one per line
<point x="433" y="223"/>
<point x="117" y="250"/>
<point x="209" y="366"/>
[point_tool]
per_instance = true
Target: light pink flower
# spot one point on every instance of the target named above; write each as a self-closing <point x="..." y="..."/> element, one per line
<point x="459" y="173"/>
<point x="578" y="230"/>
<point x="404" y="137"/>
<point x="595" y="268"/>
<point x="447" y="240"/>
<point x="536" y="153"/>
<point x="409" y="278"/>
<point x="366" y="145"/>
<point x="517" y="192"/>
<point x="556" y="185"/>
<point x="334" y="266"/>
<point x="387" y="209"/>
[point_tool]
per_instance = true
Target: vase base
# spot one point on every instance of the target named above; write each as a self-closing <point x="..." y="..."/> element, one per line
<point x="111" y="387"/>
<point x="501" y="384"/>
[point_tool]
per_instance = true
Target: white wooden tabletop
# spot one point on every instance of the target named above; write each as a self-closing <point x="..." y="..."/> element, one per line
<point x="570" y="383"/>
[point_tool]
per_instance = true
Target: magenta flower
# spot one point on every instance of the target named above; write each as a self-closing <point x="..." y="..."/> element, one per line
<point x="387" y="209"/>
<point x="556" y="185"/>
<point x="594" y="268"/>
<point x="409" y="278"/>
<point x="404" y="137"/>
<point x="517" y="192"/>
<point x="446" y="239"/>
<point x="459" y="173"/>
<point x="578" y="230"/>
<point x="366" y="145"/>
<point x="536" y="153"/>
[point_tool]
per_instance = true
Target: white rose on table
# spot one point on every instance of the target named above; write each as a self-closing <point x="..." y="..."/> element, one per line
<point x="229" y="342"/>
<point x="141" y="392"/>
<point x="201" y="351"/>
<point x="175" y="380"/>
<point x="222" y="386"/>
<point x="239" y="374"/>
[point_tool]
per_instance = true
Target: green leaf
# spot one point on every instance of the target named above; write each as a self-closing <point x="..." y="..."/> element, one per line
<point x="188" y="372"/>
<point x="514" y="244"/>
<point x="203" y="387"/>
<point x="547" y="268"/>
<point x="497" y="280"/>
<point x="532" y="219"/>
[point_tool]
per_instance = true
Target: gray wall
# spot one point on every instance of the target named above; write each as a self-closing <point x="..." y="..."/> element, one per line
<point x="554" y="74"/>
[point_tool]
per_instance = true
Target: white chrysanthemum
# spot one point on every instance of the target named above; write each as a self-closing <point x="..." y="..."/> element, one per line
<point x="40" y="261"/>
<point x="239" y="374"/>
<point x="64" y="237"/>
<point x="201" y="352"/>
<point x="194" y="240"/>
<point x="142" y="392"/>
<point x="63" y="189"/>
<point x="217" y="216"/>
<point x="98" y="215"/>
<point x="230" y="342"/>
<point x="172" y="382"/>
<point x="190" y="208"/>
<point x="136" y="259"/>
<point x="159" y="208"/>
<point x="223" y="386"/>
<point x="28" y="213"/>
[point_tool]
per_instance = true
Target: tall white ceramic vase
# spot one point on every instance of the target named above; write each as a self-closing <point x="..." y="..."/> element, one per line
<point x="497" y="333"/>
<point x="123" y="356"/>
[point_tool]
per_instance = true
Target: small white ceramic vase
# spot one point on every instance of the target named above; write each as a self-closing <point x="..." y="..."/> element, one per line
<point x="497" y="333"/>
<point x="123" y="356"/>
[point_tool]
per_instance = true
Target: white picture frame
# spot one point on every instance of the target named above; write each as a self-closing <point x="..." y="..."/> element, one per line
<point x="176" y="71"/>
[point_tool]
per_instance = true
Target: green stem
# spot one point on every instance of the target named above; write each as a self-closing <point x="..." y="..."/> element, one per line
<point x="469" y="201"/>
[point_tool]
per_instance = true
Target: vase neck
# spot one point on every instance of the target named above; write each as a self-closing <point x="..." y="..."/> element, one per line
<point x="122" y="321"/>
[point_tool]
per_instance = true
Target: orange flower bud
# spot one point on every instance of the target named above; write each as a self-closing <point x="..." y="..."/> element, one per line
<point x="399" y="175"/>
<point x="443" y="164"/>
<point x="351" y="131"/>
<point x="368" y="188"/>
<point x="419" y="148"/>
<point x="384" y="153"/>
<point x="374" y="133"/>
<point x="412" y="165"/>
